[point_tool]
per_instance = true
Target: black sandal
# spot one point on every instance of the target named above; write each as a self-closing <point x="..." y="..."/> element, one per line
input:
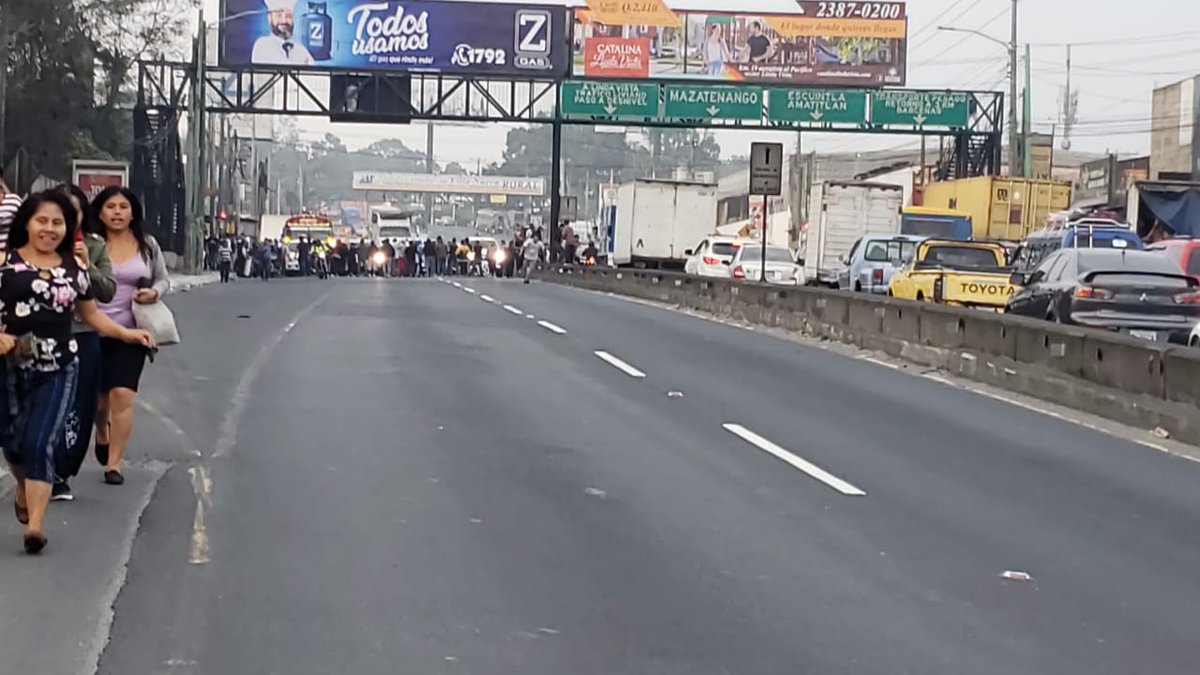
<point x="35" y="542"/>
<point x="114" y="478"/>
<point x="22" y="513"/>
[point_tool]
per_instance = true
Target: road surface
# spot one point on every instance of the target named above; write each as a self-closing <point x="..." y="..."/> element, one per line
<point x="418" y="476"/>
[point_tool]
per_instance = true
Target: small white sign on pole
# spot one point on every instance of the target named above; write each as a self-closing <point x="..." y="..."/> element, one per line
<point x="766" y="169"/>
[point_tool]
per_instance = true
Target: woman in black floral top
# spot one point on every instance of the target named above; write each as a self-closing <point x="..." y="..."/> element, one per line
<point x="42" y="286"/>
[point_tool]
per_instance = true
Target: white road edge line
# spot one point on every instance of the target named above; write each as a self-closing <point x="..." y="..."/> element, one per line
<point x="879" y="362"/>
<point x="513" y="310"/>
<point x="619" y="364"/>
<point x="552" y="328"/>
<point x="804" y="465"/>
<point x="487" y="298"/>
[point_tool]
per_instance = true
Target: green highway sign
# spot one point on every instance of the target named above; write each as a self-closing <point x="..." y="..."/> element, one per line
<point x="898" y="107"/>
<point x="692" y="102"/>
<point x="817" y="106"/>
<point x="615" y="100"/>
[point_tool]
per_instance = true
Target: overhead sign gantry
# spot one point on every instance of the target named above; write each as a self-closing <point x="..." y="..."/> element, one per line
<point x="645" y="64"/>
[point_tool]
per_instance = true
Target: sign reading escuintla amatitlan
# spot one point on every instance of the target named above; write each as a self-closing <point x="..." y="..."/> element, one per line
<point x="469" y="38"/>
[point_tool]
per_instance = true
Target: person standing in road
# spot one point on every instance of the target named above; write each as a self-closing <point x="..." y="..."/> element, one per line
<point x="389" y="250"/>
<point x="439" y="252"/>
<point x="136" y="257"/>
<point x="225" y="259"/>
<point x="91" y="251"/>
<point x="42" y="286"/>
<point x="570" y="242"/>
<point x="532" y="253"/>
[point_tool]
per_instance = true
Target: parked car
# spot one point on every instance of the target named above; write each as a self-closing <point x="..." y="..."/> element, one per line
<point x="782" y="269"/>
<point x="1139" y="293"/>
<point x="1185" y="253"/>
<point x="1083" y="233"/>
<point x="873" y="260"/>
<point x="712" y="256"/>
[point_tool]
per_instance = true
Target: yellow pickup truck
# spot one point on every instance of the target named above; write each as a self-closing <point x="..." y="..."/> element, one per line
<point x="965" y="274"/>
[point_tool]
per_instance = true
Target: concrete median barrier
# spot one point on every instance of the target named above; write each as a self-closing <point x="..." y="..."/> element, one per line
<point x="1142" y="384"/>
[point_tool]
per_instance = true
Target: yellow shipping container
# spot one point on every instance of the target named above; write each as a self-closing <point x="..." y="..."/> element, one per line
<point x="1001" y="208"/>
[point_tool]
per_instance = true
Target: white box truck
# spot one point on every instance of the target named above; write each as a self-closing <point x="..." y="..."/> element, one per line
<point x="657" y="220"/>
<point x="841" y="213"/>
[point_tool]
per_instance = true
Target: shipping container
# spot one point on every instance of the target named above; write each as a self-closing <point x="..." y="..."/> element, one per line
<point x="1001" y="208"/>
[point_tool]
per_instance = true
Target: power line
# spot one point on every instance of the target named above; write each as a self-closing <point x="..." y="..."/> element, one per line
<point x="962" y="40"/>
<point x="935" y="21"/>
<point x="1145" y="39"/>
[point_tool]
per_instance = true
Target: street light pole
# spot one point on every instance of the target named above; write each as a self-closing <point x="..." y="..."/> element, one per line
<point x="1013" y="162"/>
<point x="1014" y="135"/>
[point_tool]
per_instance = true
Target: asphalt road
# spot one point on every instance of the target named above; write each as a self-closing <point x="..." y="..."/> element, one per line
<point x="411" y="477"/>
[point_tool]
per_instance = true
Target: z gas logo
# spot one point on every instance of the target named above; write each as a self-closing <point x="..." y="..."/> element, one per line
<point x="533" y="39"/>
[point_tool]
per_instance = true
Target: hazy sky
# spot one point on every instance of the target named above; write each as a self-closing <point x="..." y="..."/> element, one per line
<point x="1122" y="51"/>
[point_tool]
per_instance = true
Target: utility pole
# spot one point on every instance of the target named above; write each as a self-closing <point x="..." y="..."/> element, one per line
<point x="1026" y="119"/>
<point x="429" y="168"/>
<point x="1070" y="106"/>
<point x="1013" y="143"/>
<point x="195" y="156"/>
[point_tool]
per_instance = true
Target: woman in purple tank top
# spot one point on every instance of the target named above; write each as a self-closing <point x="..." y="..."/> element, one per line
<point x="141" y="275"/>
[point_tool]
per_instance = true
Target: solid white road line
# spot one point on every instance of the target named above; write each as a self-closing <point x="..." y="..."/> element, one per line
<point x="513" y="310"/>
<point x="552" y="328"/>
<point x="804" y="465"/>
<point x="619" y="364"/>
<point x="879" y="362"/>
<point x="487" y="298"/>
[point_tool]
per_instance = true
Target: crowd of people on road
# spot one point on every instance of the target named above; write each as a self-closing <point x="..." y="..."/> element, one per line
<point x="73" y="355"/>
<point x="432" y="256"/>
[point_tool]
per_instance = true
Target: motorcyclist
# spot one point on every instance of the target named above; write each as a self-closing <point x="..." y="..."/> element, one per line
<point x="590" y="253"/>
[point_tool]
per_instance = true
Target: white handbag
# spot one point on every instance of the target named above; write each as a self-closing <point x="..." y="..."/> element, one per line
<point x="156" y="318"/>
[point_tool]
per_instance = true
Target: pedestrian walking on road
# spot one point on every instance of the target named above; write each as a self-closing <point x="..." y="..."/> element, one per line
<point x="136" y="256"/>
<point x="42" y="286"/>
<point x="81" y="417"/>
<point x="225" y="259"/>
<point x="532" y="253"/>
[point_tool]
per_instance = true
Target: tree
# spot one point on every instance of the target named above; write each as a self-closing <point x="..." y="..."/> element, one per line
<point x="65" y="69"/>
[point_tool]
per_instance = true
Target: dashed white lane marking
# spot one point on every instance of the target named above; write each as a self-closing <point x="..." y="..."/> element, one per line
<point x="530" y="316"/>
<point x="457" y="285"/>
<point x="619" y="364"/>
<point x="469" y="290"/>
<point x="804" y="465"/>
<point x="513" y="310"/>
<point x="552" y="328"/>
<point x="487" y="298"/>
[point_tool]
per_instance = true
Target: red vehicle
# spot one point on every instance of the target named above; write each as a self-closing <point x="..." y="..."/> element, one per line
<point x="1185" y="253"/>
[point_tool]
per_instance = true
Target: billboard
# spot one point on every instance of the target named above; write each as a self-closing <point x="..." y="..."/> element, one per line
<point x="863" y="45"/>
<point x="93" y="176"/>
<point x="475" y="38"/>
<point x="442" y="183"/>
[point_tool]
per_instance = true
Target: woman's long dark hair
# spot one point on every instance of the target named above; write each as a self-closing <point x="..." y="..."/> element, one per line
<point x="73" y="190"/>
<point x="18" y="234"/>
<point x="136" y="215"/>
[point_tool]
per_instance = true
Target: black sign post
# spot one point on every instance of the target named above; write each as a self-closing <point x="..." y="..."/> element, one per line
<point x="766" y="179"/>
